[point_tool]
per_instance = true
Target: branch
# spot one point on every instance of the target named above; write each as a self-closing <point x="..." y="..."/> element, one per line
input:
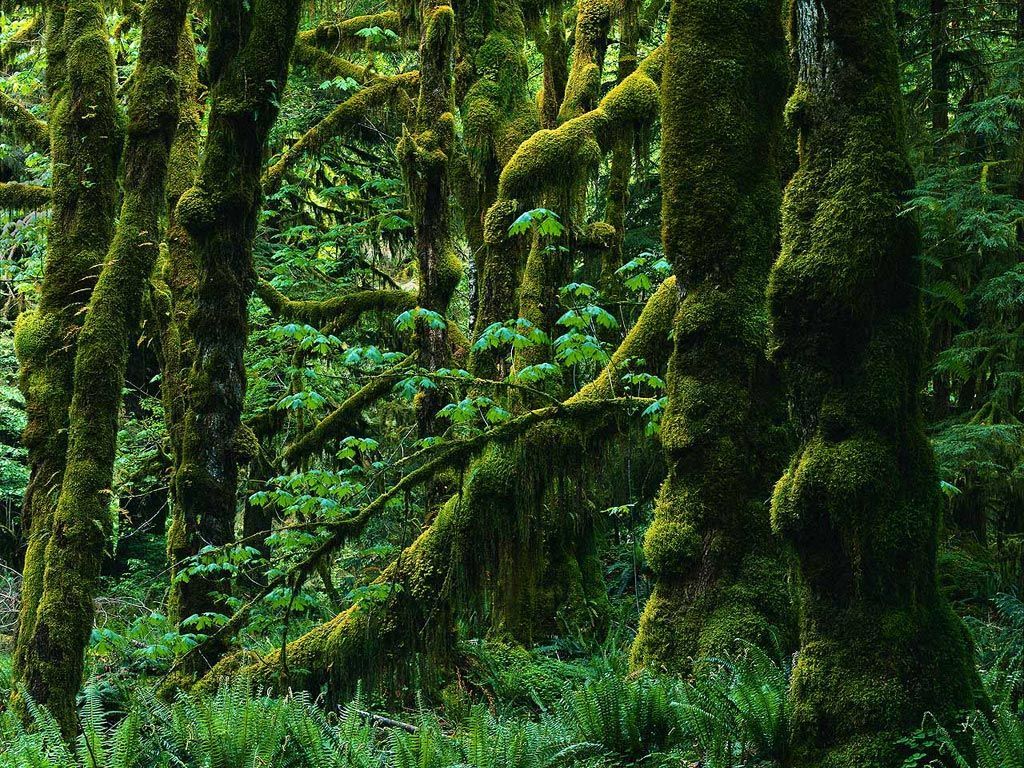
<point x="24" y="125"/>
<point x="342" y="35"/>
<point x="345" y="309"/>
<point x="23" y="197"/>
<point x="340" y="421"/>
<point x="341" y="119"/>
<point x="443" y="456"/>
<point x="551" y="157"/>
<point x="350" y="646"/>
<point x="23" y="38"/>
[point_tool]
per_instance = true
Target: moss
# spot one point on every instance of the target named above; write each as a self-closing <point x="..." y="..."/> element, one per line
<point x="24" y="125"/>
<point x="860" y="501"/>
<point x="593" y="20"/>
<point x="53" y="661"/>
<point x="718" y="574"/>
<point x="476" y="551"/>
<point x="84" y="142"/>
<point x="344" y="117"/>
<point x="218" y="215"/>
<point x="344" y="35"/>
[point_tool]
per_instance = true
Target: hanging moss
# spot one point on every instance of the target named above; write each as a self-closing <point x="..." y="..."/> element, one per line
<point x="459" y="556"/>
<point x="860" y="502"/>
<point x="342" y="118"/>
<point x="719" y="576"/>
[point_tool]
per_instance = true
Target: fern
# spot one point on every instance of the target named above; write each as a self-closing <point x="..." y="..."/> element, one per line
<point x="629" y="718"/>
<point x="739" y="711"/>
<point x="232" y="729"/>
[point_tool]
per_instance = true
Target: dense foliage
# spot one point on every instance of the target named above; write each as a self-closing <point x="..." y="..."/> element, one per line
<point x="393" y="385"/>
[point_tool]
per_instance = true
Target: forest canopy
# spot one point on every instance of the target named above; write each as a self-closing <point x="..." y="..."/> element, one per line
<point x="511" y="384"/>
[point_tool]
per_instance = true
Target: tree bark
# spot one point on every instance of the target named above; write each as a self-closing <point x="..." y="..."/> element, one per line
<point x="249" y="49"/>
<point x="719" y="576"/>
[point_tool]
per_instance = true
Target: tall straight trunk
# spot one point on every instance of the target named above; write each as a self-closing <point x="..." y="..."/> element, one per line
<point x="938" y="37"/>
<point x="426" y="160"/>
<point x="860" y="502"/>
<point x="622" y="155"/>
<point x="249" y="48"/>
<point x="84" y="149"/>
<point x="53" y="662"/>
<point x="719" y="576"/>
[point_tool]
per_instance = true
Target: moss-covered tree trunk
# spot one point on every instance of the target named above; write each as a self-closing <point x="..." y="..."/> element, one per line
<point x="84" y="150"/>
<point x="498" y="114"/>
<point x="249" y="49"/>
<point x="860" y="502"/>
<point x="617" y="195"/>
<point x="53" y="662"/>
<point x="718" y="574"/>
<point x="426" y="154"/>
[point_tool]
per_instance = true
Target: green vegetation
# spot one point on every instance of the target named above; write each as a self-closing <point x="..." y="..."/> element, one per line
<point x="511" y="384"/>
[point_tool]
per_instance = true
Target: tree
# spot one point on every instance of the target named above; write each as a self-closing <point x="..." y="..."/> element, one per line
<point x="56" y="625"/>
<point x="250" y="47"/>
<point x="719" y="576"/>
<point x="860" y="502"/>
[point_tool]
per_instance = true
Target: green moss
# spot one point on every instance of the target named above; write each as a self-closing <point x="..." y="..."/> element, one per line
<point x="719" y="576"/>
<point x="478" y="550"/>
<point x="860" y="501"/>
<point x="247" y="68"/>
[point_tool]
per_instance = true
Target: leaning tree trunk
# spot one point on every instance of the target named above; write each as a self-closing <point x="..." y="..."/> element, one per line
<point x="84" y="150"/>
<point x="860" y="502"/>
<point x="53" y="663"/>
<point x="249" y="48"/>
<point x="718" y="574"/>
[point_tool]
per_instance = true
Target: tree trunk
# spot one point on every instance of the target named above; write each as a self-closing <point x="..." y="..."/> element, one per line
<point x="84" y="153"/>
<point x="719" y="576"/>
<point x="53" y="664"/>
<point x="860" y="502"/>
<point x="249" y="48"/>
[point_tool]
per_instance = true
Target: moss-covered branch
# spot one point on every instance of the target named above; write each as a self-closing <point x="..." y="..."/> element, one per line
<point x="379" y="92"/>
<point x="23" y="197"/>
<point x="343" y="35"/>
<point x="25" y="37"/>
<point x="345" y="309"/>
<point x="550" y="158"/>
<point x="23" y="125"/>
<point x="465" y="546"/>
<point x="345" y="418"/>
